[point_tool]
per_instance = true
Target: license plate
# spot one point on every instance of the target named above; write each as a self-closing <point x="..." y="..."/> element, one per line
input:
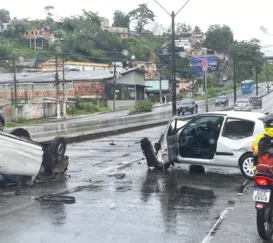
<point x="261" y="195"/>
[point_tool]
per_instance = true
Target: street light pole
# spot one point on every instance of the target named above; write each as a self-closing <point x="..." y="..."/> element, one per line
<point x="115" y="83"/>
<point x="15" y="88"/>
<point x="256" y="72"/>
<point x="173" y="15"/>
<point x="173" y="66"/>
<point x="64" y="101"/>
<point x="234" y="77"/>
<point x="57" y="88"/>
<point x="206" y="91"/>
<point x="267" y="77"/>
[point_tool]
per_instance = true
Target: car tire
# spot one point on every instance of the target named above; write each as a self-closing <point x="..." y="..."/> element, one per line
<point x="20" y="132"/>
<point x="58" y="148"/>
<point x="192" y="111"/>
<point x="2" y="123"/>
<point x="246" y="162"/>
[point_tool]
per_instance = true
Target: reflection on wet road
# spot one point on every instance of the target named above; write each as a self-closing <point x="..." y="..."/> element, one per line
<point x="119" y="200"/>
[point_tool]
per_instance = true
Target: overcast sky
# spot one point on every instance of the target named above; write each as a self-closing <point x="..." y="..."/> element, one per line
<point x="243" y="16"/>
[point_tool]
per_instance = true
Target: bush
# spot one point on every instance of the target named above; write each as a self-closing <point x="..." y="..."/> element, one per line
<point x="141" y="107"/>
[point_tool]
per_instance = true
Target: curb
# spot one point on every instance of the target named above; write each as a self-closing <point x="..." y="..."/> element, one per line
<point x="96" y="135"/>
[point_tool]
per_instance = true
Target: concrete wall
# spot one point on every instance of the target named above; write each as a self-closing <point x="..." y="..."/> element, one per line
<point x="30" y="111"/>
<point x="121" y="104"/>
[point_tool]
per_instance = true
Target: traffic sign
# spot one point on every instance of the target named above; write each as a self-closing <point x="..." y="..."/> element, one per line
<point x="204" y="65"/>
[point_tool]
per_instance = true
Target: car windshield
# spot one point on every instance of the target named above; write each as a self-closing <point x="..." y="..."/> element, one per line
<point x="186" y="102"/>
<point x="221" y="98"/>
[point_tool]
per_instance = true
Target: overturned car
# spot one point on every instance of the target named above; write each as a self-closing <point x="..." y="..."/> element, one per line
<point x="22" y="159"/>
<point x="221" y="138"/>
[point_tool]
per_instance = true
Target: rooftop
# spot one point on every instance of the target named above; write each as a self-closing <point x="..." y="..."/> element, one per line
<point x="41" y="77"/>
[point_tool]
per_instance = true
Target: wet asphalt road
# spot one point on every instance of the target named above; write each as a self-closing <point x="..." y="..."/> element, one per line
<point x="119" y="200"/>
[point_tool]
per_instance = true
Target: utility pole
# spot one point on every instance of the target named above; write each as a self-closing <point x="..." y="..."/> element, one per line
<point x="173" y="66"/>
<point x="115" y="83"/>
<point x="256" y="72"/>
<point x="14" y="81"/>
<point x="160" y="89"/>
<point x="57" y="88"/>
<point x="64" y="100"/>
<point x="234" y="77"/>
<point x="15" y="87"/>
<point x="173" y="15"/>
<point x="267" y="77"/>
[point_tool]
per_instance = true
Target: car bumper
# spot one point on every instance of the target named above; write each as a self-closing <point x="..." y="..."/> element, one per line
<point x="242" y="109"/>
<point x="183" y="110"/>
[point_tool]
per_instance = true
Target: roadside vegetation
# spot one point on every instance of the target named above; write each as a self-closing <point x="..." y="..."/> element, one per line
<point x="24" y="122"/>
<point x="141" y="107"/>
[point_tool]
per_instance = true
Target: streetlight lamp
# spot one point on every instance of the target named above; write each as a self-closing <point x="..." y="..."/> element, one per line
<point x="173" y="15"/>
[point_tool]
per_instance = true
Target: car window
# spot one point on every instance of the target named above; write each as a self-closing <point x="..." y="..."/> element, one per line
<point x="242" y="102"/>
<point x="203" y="122"/>
<point x="238" y="128"/>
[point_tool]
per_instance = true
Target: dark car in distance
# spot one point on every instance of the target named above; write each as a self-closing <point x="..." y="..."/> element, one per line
<point x="187" y="105"/>
<point x="222" y="100"/>
<point x="256" y="101"/>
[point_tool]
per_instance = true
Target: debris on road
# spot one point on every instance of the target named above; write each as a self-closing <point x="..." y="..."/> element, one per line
<point x="58" y="199"/>
<point x="118" y="176"/>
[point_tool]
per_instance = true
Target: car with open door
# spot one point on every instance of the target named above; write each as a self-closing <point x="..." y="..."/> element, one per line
<point x="221" y="138"/>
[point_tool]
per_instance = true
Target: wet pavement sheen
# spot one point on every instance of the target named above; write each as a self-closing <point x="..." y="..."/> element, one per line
<point x="119" y="200"/>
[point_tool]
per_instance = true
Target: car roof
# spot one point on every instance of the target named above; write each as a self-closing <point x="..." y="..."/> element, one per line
<point x="253" y="116"/>
<point x="238" y="114"/>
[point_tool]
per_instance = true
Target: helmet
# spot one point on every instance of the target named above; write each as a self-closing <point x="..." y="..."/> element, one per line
<point x="267" y="120"/>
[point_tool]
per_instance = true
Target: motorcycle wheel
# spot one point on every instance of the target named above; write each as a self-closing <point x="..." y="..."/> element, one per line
<point x="265" y="223"/>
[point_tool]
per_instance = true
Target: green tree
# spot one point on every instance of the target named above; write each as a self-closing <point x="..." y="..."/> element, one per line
<point x="183" y="30"/>
<point x="142" y="15"/>
<point x="121" y="19"/>
<point x="197" y="30"/>
<point x="49" y="11"/>
<point x="4" y="16"/>
<point x="219" y="38"/>
<point x="248" y="59"/>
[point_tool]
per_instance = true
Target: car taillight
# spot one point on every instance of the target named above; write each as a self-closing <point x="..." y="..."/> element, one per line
<point x="261" y="181"/>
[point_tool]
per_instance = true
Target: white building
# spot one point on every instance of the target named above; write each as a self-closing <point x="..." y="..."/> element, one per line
<point x="186" y="44"/>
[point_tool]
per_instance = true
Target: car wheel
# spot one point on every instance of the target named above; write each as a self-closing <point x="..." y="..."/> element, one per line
<point x="246" y="164"/>
<point x="20" y="132"/>
<point x="58" y="148"/>
<point x="2" y="123"/>
<point x="192" y="111"/>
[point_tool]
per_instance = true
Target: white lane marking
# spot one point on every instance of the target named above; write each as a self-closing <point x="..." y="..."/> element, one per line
<point x="218" y="222"/>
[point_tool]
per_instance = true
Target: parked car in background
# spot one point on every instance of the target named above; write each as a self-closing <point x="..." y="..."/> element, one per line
<point x="256" y="101"/>
<point x="222" y="100"/>
<point x="220" y="138"/>
<point x="242" y="105"/>
<point x="187" y="106"/>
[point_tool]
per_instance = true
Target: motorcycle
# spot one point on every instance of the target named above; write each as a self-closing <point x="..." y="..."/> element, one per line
<point x="264" y="200"/>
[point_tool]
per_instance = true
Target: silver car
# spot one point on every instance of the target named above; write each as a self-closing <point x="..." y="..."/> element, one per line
<point x="242" y="105"/>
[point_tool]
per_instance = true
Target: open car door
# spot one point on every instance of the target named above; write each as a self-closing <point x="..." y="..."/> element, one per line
<point x="169" y="143"/>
